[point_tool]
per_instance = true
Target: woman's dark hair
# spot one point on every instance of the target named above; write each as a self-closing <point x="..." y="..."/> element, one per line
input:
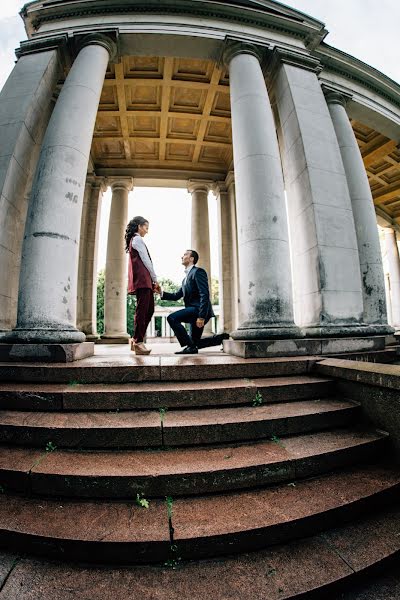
<point x="132" y="228"/>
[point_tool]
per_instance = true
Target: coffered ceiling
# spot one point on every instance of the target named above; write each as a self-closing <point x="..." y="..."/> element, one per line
<point x="381" y="158"/>
<point x="164" y="113"/>
<point x="173" y="114"/>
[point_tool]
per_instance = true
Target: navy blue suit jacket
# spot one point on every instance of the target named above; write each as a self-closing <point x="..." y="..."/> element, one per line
<point x="195" y="293"/>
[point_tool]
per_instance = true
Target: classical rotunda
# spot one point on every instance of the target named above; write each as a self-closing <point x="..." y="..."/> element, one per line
<point x="297" y="140"/>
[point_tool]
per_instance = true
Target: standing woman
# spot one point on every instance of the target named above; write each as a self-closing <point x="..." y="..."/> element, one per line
<point x="142" y="280"/>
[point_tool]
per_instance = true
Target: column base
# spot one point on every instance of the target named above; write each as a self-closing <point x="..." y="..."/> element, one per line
<point x="63" y="353"/>
<point x="267" y="333"/>
<point x="43" y="336"/>
<point x="302" y="347"/>
<point x="113" y="339"/>
<point x="337" y="331"/>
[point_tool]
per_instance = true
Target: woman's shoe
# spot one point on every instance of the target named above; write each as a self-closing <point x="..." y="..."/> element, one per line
<point x="140" y="348"/>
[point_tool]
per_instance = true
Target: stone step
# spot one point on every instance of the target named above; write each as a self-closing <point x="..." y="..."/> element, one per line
<point x="199" y="527"/>
<point x="321" y="566"/>
<point x="132" y="369"/>
<point x="136" y="429"/>
<point x="153" y="395"/>
<point x="185" y="471"/>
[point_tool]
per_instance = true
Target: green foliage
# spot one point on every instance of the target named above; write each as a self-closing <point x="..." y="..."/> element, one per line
<point x="101" y="276"/>
<point x="163" y="412"/>
<point x="141" y="501"/>
<point x="258" y="400"/>
<point x="130" y="313"/>
<point x="50" y="447"/>
<point x="214" y="291"/>
<point x="169" y="501"/>
<point x="169" y="286"/>
<point x="276" y="440"/>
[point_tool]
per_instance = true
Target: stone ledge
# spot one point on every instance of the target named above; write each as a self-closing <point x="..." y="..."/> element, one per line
<point x="302" y="346"/>
<point x="61" y="353"/>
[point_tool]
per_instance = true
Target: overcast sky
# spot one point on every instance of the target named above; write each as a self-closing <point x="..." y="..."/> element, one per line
<point x="366" y="29"/>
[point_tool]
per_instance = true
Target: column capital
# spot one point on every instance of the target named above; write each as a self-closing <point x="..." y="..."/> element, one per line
<point x="99" y="39"/>
<point x="234" y="48"/>
<point x="218" y="188"/>
<point x="97" y="181"/>
<point x="35" y="46"/>
<point x="118" y="183"/>
<point x="199" y="185"/>
<point x="333" y="96"/>
<point x="281" y="56"/>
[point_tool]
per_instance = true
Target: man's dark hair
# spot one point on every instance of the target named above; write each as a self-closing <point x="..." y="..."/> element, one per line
<point x="195" y="255"/>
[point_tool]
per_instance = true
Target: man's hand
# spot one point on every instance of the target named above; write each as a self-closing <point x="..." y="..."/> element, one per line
<point x="199" y="323"/>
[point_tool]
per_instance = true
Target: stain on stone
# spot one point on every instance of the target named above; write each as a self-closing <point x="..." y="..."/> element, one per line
<point x="65" y="301"/>
<point x="274" y="219"/>
<point x="251" y="285"/>
<point x="69" y="315"/>
<point x="50" y="234"/>
<point x="72" y="197"/>
<point x="322" y="273"/>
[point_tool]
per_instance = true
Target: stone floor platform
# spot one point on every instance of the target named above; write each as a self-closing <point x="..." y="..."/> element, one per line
<point x="303" y="346"/>
<point x="49" y="353"/>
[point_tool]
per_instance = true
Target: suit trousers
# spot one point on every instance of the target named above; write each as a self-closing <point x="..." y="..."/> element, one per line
<point x="186" y="315"/>
<point x="144" y="312"/>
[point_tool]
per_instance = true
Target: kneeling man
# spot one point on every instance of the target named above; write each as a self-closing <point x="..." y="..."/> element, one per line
<point x="198" y="309"/>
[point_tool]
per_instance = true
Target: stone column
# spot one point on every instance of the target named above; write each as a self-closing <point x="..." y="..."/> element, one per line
<point x="327" y="280"/>
<point x="48" y="281"/>
<point x="265" y="309"/>
<point x="394" y="274"/>
<point x="88" y="251"/>
<point x="116" y="264"/>
<point x="163" y="327"/>
<point x="200" y="240"/>
<point x="369" y="251"/>
<point x="25" y="108"/>
<point x="230" y="184"/>
<point x="226" y="258"/>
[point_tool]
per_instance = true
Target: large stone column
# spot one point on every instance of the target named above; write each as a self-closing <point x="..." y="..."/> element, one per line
<point x="116" y="264"/>
<point x="230" y="184"/>
<point x="88" y="251"/>
<point x="226" y="256"/>
<point x="327" y="280"/>
<point x="200" y="240"/>
<point x="394" y="274"/>
<point x="265" y="309"/>
<point x="369" y="251"/>
<point x="25" y="109"/>
<point x="48" y="281"/>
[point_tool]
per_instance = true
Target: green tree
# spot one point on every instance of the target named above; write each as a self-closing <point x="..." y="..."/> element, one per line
<point x="214" y="291"/>
<point x="101" y="277"/>
<point x="169" y="286"/>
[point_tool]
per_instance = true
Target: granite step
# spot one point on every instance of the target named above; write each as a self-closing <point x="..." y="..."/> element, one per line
<point x="132" y="369"/>
<point x="320" y="566"/>
<point x="136" y="429"/>
<point x="153" y="395"/>
<point x="200" y="527"/>
<point x="185" y="471"/>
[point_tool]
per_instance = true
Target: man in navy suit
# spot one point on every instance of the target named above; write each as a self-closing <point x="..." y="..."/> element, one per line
<point x="198" y="309"/>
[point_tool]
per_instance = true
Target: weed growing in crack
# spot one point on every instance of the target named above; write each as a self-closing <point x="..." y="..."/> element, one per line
<point x="141" y="501"/>
<point x="276" y="440"/>
<point x="50" y="447"/>
<point x="163" y="411"/>
<point x="258" y="400"/>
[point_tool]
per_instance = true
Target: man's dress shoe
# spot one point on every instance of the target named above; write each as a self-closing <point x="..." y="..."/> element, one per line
<point x="188" y="350"/>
